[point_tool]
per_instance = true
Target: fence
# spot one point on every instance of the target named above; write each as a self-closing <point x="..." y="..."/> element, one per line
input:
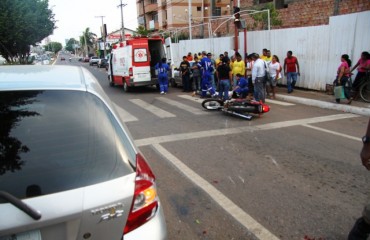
<point x="317" y="48"/>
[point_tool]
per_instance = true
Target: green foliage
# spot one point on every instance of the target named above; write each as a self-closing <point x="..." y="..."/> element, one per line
<point x="261" y="19"/>
<point x="53" y="47"/>
<point x="141" y="31"/>
<point x="23" y="23"/>
<point x="87" y="40"/>
<point x="70" y="46"/>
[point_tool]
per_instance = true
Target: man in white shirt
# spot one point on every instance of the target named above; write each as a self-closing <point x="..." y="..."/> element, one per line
<point x="258" y="78"/>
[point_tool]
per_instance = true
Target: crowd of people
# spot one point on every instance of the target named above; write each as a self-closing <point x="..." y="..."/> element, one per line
<point x="255" y="77"/>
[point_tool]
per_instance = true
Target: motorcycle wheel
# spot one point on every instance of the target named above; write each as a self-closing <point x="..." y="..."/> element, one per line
<point x="212" y="104"/>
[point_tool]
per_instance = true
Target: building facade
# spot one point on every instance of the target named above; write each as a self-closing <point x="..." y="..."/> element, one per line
<point x="174" y="14"/>
<point x="207" y="16"/>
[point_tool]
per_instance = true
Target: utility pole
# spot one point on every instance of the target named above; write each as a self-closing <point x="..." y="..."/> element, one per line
<point x="103" y="33"/>
<point x="123" y="38"/>
<point x="144" y="14"/>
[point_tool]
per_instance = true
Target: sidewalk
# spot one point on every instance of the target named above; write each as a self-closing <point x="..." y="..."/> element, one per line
<point x="322" y="100"/>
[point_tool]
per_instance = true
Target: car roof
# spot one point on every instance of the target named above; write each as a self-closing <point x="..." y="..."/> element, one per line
<point x="44" y="77"/>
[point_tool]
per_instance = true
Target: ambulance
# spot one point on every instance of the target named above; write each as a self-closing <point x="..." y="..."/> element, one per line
<point x="132" y="62"/>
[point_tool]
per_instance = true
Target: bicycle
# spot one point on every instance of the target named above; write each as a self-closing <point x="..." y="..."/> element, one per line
<point x="363" y="89"/>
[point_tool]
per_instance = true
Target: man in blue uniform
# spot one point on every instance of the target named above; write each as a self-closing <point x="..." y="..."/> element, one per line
<point x="241" y="89"/>
<point x="207" y="70"/>
<point x="162" y="68"/>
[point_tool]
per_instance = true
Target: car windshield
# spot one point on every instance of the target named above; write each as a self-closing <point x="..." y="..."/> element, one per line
<point x="52" y="141"/>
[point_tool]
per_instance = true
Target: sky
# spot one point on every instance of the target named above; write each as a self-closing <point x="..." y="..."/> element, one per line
<point x="74" y="16"/>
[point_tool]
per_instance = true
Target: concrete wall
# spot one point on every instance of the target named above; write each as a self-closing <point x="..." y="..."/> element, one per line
<point x="318" y="48"/>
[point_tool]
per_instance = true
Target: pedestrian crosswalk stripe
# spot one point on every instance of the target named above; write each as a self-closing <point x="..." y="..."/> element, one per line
<point x="193" y="110"/>
<point x="125" y="116"/>
<point x="195" y="98"/>
<point x="153" y="109"/>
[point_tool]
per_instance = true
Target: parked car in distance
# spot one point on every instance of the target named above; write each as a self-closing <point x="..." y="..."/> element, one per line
<point x="86" y="59"/>
<point x="72" y="170"/>
<point x="93" y="60"/>
<point x="102" y="63"/>
<point x="62" y="58"/>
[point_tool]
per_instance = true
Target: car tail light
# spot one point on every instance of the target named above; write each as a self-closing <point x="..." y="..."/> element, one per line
<point x="145" y="202"/>
<point x="130" y="72"/>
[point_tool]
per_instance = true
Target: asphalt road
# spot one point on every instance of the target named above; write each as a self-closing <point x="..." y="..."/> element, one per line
<point x="292" y="173"/>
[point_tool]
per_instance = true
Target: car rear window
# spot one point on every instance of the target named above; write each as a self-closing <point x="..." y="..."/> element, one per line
<point x="53" y="141"/>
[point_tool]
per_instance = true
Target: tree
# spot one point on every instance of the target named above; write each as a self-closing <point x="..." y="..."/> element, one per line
<point x="53" y="47"/>
<point x="261" y="19"/>
<point x="23" y="23"/>
<point x="71" y="45"/>
<point x="141" y="31"/>
<point x="87" y="40"/>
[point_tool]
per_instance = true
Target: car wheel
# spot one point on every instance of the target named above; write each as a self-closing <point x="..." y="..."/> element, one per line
<point x="173" y="83"/>
<point x="111" y="83"/>
<point x="126" y="88"/>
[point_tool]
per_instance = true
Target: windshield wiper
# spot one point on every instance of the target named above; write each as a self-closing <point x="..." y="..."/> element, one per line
<point x="20" y="205"/>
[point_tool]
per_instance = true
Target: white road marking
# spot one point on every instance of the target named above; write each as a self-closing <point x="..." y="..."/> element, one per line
<point x="332" y="132"/>
<point x="193" y="110"/>
<point x="279" y="102"/>
<point x="231" y="180"/>
<point x="272" y="160"/>
<point x="235" y="211"/>
<point x="153" y="109"/>
<point x="229" y="131"/>
<point x="125" y="116"/>
<point x="194" y="99"/>
<point x="241" y="179"/>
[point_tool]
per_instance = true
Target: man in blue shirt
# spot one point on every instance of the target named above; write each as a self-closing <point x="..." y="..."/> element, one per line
<point x="207" y="70"/>
<point x="162" y="68"/>
<point x="241" y="89"/>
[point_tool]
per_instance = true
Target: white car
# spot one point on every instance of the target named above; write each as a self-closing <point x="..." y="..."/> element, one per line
<point x="71" y="169"/>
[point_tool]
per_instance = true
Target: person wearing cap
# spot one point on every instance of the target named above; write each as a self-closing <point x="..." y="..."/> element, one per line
<point x="207" y="70"/>
<point x="258" y="78"/>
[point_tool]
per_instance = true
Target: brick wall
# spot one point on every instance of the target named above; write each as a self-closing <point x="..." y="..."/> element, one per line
<point x="303" y="13"/>
<point x="313" y="12"/>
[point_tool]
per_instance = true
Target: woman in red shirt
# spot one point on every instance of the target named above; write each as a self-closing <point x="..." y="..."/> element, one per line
<point x="343" y="76"/>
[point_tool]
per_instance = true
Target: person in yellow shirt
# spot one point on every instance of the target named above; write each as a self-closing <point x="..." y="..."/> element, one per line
<point x="238" y="67"/>
<point x="219" y="60"/>
<point x="268" y="57"/>
<point x="264" y="54"/>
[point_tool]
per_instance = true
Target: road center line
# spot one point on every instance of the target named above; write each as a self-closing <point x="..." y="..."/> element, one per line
<point x="235" y="211"/>
<point x="332" y="132"/>
<point x="229" y="131"/>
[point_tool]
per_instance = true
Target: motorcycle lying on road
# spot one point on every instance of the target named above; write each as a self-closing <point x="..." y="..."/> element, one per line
<point x="238" y="107"/>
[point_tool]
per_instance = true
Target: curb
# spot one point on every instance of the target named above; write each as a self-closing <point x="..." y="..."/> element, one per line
<point x="326" y="105"/>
